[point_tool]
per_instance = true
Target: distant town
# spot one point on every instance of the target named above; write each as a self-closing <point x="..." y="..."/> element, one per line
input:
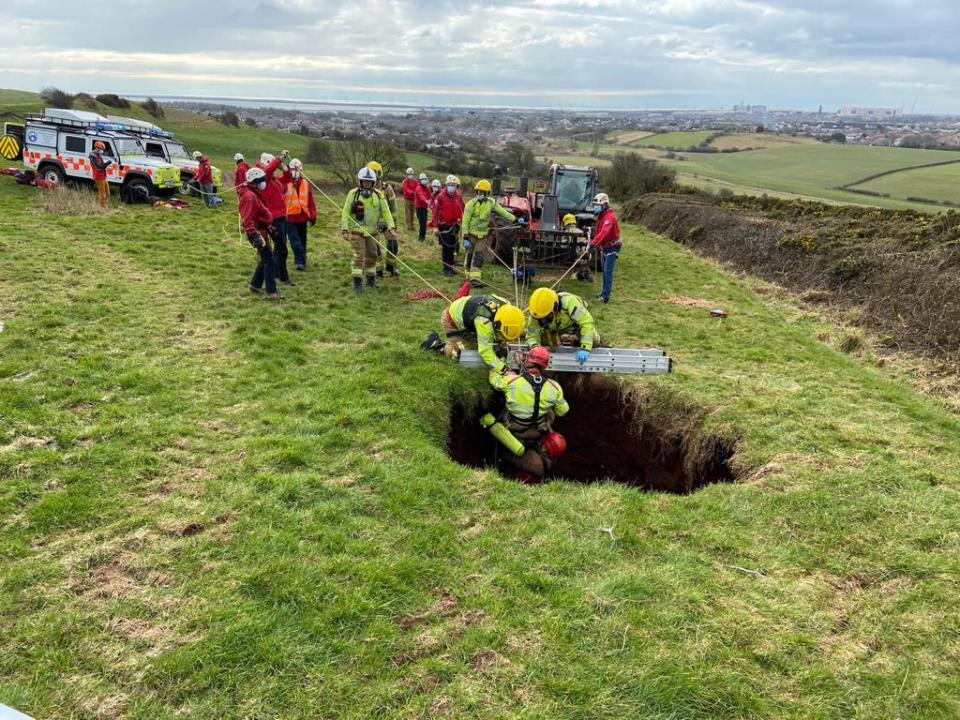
<point x="438" y="129"/>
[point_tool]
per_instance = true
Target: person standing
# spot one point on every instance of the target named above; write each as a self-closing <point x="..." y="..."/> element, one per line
<point x="99" y="164"/>
<point x="409" y="187"/>
<point x="421" y="202"/>
<point x="363" y="212"/>
<point x="446" y="221"/>
<point x="240" y="176"/>
<point x="477" y="217"/>
<point x="607" y="240"/>
<point x="257" y="220"/>
<point x="204" y="178"/>
<point x="273" y="198"/>
<point x="389" y="239"/>
<point x="301" y="211"/>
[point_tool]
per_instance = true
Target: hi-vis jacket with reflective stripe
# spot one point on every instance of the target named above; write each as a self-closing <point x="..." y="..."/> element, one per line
<point x="375" y="210"/>
<point x="481" y="310"/>
<point x="476" y="215"/>
<point x="521" y="397"/>
<point x="300" y="204"/>
<point x="572" y="317"/>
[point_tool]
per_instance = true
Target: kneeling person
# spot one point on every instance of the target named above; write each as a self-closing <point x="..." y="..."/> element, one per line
<point x="556" y="317"/>
<point x="481" y="322"/>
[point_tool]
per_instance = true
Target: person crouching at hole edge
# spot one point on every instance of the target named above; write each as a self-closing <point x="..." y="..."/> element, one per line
<point x="481" y="322"/>
<point x="562" y="319"/>
<point x="526" y="425"/>
<point x="257" y="224"/>
<point x="363" y="212"/>
<point x="607" y="239"/>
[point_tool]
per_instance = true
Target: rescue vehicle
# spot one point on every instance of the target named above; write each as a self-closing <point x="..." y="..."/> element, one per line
<point x="162" y="144"/>
<point x="58" y="143"/>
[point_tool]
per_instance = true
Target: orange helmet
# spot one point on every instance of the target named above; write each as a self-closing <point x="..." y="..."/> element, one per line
<point x="554" y="445"/>
<point x="538" y="358"/>
<point x="99" y="145"/>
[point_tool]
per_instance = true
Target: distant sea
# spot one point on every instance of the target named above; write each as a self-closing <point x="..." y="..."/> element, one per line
<point x="324" y="106"/>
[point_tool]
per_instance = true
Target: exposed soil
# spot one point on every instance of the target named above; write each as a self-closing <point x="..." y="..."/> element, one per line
<point x="613" y="433"/>
<point x="898" y="269"/>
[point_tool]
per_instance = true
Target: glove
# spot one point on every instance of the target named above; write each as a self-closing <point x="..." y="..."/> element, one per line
<point x="285" y="154"/>
<point x="313" y="223"/>
<point x="467" y="244"/>
<point x="346" y="235"/>
<point x="583" y="356"/>
<point x="521" y="221"/>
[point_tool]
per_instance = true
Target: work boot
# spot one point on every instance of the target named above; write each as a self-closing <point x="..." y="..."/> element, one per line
<point x="379" y="273"/>
<point x="358" y="286"/>
<point x="274" y="296"/>
<point x="393" y="272"/>
<point x="601" y="298"/>
<point x="256" y="290"/>
<point x="372" y="281"/>
<point x="476" y="283"/>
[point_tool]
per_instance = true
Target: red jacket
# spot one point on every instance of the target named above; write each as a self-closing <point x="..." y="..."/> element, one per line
<point x="99" y="164"/>
<point x="253" y="213"/>
<point x="608" y="231"/>
<point x="410" y="186"/>
<point x="422" y="198"/>
<point x="241" y="177"/>
<point x="273" y="196"/>
<point x="204" y="174"/>
<point x="448" y="210"/>
<point x="311" y="213"/>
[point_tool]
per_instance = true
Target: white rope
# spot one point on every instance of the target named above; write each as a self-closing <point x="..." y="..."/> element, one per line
<point x="570" y="269"/>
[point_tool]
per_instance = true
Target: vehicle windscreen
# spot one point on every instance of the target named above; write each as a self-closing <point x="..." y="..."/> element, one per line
<point x="574" y="191"/>
<point x="178" y="150"/>
<point x="128" y="146"/>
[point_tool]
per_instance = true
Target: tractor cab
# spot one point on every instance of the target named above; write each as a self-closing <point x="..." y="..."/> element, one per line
<point x="574" y="188"/>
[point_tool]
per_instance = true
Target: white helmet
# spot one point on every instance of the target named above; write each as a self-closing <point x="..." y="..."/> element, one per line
<point x="197" y="154"/>
<point x="295" y="164"/>
<point x="266" y="158"/>
<point x="424" y="176"/>
<point x="409" y="171"/>
<point x="255" y="174"/>
<point x="451" y="180"/>
<point x="238" y="157"/>
<point x="601" y="199"/>
<point x="366" y="174"/>
<point x="435" y="184"/>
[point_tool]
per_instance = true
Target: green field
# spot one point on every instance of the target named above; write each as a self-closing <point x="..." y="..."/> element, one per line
<point x="218" y="507"/>
<point x="758" y="140"/>
<point x="626" y="137"/>
<point x="936" y="183"/>
<point x="681" y="140"/>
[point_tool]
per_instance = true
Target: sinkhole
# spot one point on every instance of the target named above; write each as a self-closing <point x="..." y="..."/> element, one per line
<point x="648" y="440"/>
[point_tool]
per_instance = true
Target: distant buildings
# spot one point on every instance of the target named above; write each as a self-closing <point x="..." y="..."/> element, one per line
<point x="868" y="113"/>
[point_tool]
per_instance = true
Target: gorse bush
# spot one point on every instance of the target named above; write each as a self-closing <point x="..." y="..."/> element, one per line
<point x="631" y="175"/>
<point x="57" y="98"/>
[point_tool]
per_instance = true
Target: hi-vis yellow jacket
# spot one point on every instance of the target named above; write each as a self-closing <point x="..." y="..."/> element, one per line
<point x="375" y="210"/>
<point x="572" y="317"/>
<point x="476" y="215"/>
<point x="521" y="396"/>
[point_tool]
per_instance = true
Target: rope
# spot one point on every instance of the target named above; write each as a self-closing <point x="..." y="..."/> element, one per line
<point x="570" y="269"/>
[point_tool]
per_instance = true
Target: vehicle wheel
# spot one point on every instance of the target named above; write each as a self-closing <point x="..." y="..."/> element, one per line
<point x="53" y="174"/>
<point x="134" y="190"/>
<point x="188" y="188"/>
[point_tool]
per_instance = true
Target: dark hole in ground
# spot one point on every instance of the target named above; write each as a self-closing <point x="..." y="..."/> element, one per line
<point x="611" y="436"/>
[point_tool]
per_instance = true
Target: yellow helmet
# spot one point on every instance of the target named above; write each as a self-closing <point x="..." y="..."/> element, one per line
<point x="375" y="166"/>
<point x="482" y="186"/>
<point x="510" y="322"/>
<point x="543" y="302"/>
<point x="569" y="219"/>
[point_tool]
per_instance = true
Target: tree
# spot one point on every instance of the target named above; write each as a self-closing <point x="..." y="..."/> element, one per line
<point x="56" y="98"/>
<point x="631" y="175"/>
<point x="152" y="107"/>
<point x="351" y="155"/>
<point x="112" y="100"/>
<point x="85" y="100"/>
<point x="229" y="118"/>
<point x="837" y="137"/>
<point x="250" y="122"/>
<point x="318" y="152"/>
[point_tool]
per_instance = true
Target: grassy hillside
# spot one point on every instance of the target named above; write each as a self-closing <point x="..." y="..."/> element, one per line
<point x="758" y="140"/>
<point x="936" y="183"/>
<point x="218" y="507"/>
<point x="674" y="139"/>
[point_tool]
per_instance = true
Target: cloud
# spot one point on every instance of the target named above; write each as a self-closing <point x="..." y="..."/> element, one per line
<point x="623" y="53"/>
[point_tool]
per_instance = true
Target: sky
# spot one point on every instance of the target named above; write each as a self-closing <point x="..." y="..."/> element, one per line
<point x="609" y="54"/>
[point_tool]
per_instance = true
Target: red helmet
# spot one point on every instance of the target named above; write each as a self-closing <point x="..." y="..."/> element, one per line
<point x="538" y="357"/>
<point x="98" y="145"/>
<point x="554" y="445"/>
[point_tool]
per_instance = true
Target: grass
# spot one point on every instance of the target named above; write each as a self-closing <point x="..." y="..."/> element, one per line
<point x="217" y="507"/>
<point x="758" y="140"/>
<point x="626" y="137"/>
<point x="936" y="183"/>
<point x="680" y="140"/>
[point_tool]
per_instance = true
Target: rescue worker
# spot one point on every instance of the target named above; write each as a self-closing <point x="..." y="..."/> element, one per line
<point x="390" y="240"/>
<point x="480" y="322"/>
<point x="204" y="180"/>
<point x="476" y="229"/>
<point x="240" y="176"/>
<point x="435" y="187"/>
<point x="301" y="210"/>
<point x="99" y="165"/>
<point x="607" y="240"/>
<point x="561" y="319"/>
<point x="570" y="225"/>
<point x="363" y="212"/>
<point x="257" y="220"/>
<point x="532" y="403"/>
<point x="446" y="220"/>
<point x="421" y="201"/>
<point x="409" y="187"/>
<point x="273" y="198"/>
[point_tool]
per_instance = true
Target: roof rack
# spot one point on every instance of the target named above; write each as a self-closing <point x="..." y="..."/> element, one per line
<point x="97" y="122"/>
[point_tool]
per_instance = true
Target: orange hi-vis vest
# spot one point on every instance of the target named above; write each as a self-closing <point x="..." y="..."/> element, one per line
<point x="298" y="202"/>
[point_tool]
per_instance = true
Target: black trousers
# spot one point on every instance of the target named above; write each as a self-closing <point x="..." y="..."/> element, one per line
<point x="422" y="220"/>
<point x="297" y="232"/>
<point x="265" y="270"/>
<point x="449" y="241"/>
<point x="280" y="249"/>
